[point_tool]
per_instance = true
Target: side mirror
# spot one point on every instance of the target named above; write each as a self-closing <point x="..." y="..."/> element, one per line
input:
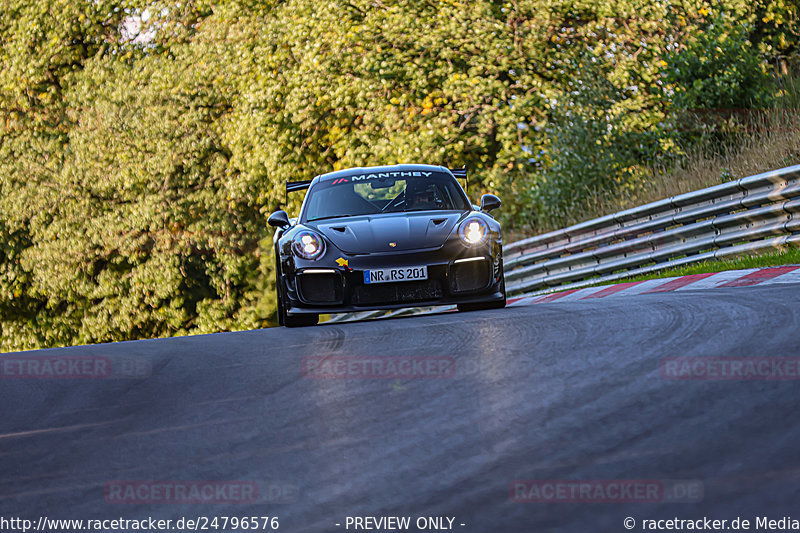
<point x="489" y="202"/>
<point x="279" y="219"/>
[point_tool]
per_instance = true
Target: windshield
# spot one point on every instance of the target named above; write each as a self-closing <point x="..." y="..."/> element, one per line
<point x="372" y="194"/>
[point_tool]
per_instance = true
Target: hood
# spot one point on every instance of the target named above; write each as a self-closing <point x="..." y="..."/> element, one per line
<point x="373" y="233"/>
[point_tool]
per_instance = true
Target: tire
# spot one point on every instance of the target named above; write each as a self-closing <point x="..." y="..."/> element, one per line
<point x="281" y="310"/>
<point x="279" y="293"/>
<point x="285" y="319"/>
<point x="480" y="306"/>
<point x="293" y="321"/>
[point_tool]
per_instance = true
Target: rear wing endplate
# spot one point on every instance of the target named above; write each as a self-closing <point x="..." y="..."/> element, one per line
<point x="292" y="186"/>
<point x="461" y="173"/>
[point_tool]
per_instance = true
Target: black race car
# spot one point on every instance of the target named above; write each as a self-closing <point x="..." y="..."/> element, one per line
<point x="386" y="237"/>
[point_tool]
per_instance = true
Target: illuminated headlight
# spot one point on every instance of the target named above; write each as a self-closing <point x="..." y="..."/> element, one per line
<point x="473" y="231"/>
<point x="308" y="245"/>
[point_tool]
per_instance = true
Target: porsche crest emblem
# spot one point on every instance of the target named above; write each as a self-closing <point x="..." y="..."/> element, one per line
<point x="392" y="244"/>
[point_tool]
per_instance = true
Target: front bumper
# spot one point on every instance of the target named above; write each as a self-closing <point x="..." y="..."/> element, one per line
<point x="455" y="275"/>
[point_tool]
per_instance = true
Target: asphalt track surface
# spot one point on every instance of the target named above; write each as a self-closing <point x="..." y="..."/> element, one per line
<point x="564" y="391"/>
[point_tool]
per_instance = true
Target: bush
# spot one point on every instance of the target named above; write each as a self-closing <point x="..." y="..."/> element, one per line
<point x="719" y="68"/>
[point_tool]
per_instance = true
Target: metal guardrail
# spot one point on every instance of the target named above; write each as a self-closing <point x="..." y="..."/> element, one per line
<point x="749" y="214"/>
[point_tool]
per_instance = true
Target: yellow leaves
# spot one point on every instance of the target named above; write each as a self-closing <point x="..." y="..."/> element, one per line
<point x="429" y="103"/>
<point x="704" y="11"/>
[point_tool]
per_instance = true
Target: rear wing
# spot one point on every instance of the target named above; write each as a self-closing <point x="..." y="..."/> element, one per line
<point x="461" y="173"/>
<point x="292" y="186"/>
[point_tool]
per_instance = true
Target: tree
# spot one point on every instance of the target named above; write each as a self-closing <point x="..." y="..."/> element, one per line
<point x="45" y="46"/>
<point x="137" y="172"/>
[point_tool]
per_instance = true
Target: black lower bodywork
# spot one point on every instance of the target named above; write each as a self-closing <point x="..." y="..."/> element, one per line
<point x="470" y="277"/>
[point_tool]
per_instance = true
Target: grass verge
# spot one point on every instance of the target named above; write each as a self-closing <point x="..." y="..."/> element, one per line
<point x="789" y="256"/>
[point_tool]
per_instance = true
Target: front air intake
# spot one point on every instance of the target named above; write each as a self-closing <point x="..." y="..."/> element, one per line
<point x="320" y="289"/>
<point x="469" y="275"/>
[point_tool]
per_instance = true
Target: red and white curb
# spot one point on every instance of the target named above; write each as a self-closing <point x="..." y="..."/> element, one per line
<point x="693" y="282"/>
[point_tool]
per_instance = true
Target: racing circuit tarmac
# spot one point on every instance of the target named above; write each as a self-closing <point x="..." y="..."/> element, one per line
<point x="570" y="391"/>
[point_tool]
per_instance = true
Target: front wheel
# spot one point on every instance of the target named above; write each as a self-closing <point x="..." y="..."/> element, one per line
<point x="293" y="321"/>
<point x="279" y="293"/>
<point x="285" y="319"/>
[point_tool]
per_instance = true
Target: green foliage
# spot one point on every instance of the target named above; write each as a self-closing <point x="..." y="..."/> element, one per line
<point x="45" y="46"/>
<point x="719" y="68"/>
<point x="144" y="143"/>
<point x="593" y="147"/>
<point x="777" y="29"/>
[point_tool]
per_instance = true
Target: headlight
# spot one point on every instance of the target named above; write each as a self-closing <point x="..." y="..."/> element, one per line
<point x="473" y="231"/>
<point x="308" y="245"/>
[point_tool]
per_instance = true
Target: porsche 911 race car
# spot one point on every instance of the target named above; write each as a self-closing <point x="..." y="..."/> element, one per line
<point x="383" y="238"/>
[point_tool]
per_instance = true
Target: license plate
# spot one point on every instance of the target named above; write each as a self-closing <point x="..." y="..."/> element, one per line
<point x="389" y="275"/>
